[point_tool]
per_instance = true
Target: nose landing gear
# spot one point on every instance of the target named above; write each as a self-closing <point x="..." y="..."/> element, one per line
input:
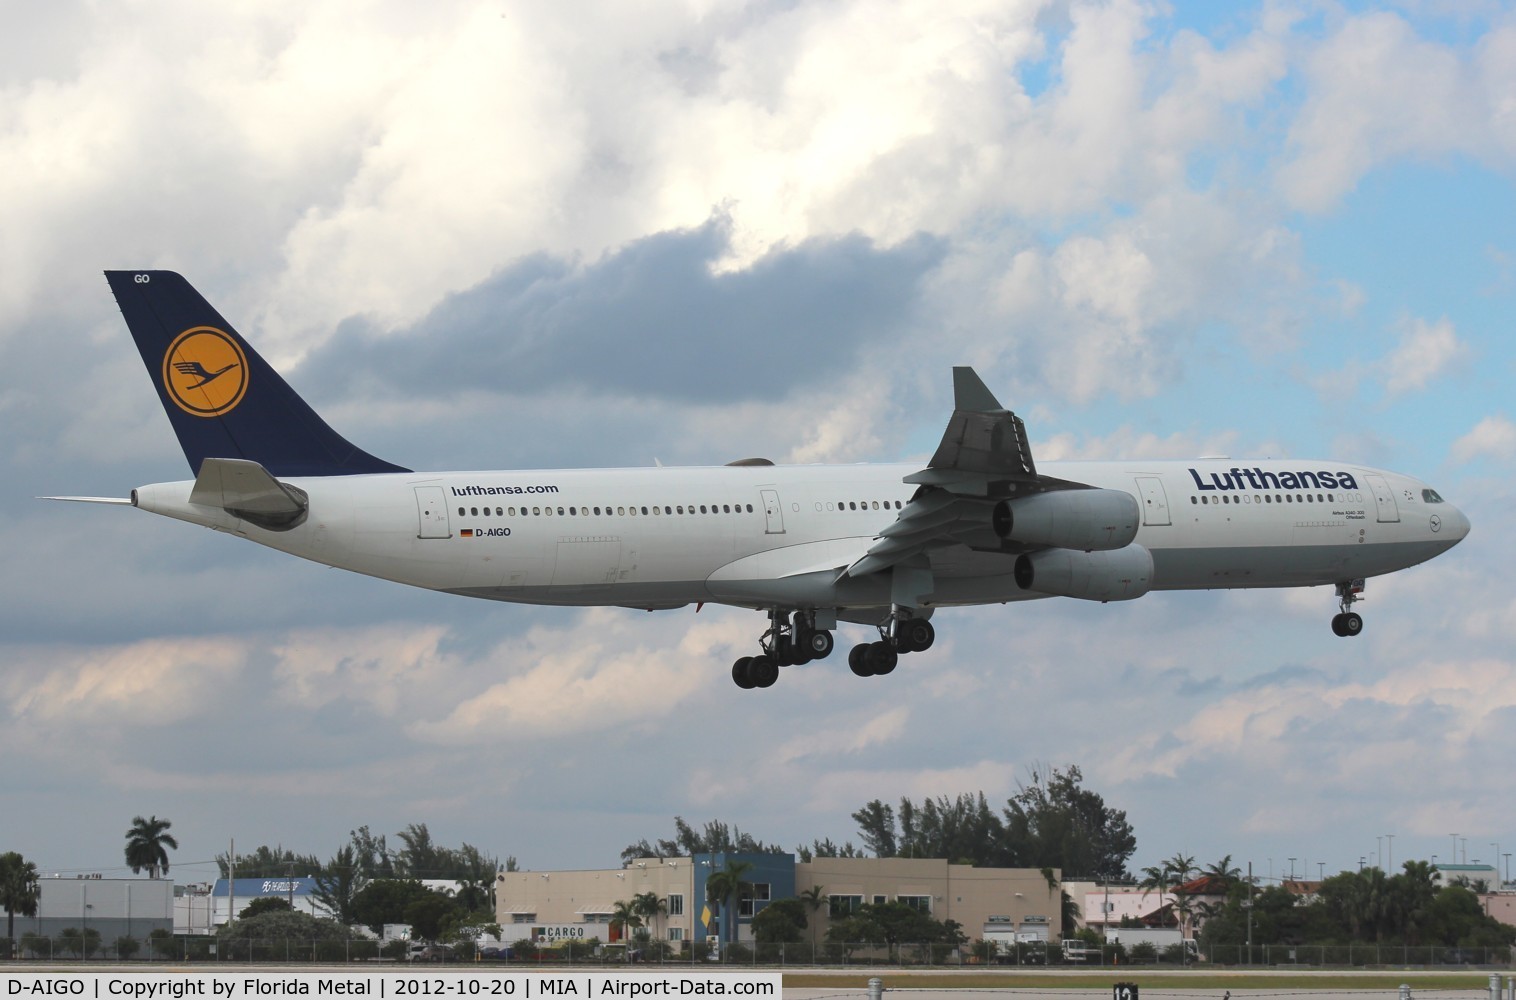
<point x="1348" y="623"/>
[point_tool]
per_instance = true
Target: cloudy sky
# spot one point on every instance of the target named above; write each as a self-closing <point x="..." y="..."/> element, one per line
<point x="542" y="235"/>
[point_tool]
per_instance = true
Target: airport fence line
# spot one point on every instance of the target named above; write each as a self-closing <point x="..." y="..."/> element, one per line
<point x="820" y="954"/>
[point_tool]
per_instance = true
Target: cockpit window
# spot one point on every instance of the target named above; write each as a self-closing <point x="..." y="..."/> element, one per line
<point x="1430" y="496"/>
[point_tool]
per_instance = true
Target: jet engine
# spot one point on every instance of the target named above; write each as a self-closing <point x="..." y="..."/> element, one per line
<point x="1119" y="575"/>
<point x="1089" y="520"/>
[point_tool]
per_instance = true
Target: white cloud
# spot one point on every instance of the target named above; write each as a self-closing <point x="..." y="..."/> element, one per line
<point x="1376" y="91"/>
<point x="1493" y="437"/>
<point x="1425" y="352"/>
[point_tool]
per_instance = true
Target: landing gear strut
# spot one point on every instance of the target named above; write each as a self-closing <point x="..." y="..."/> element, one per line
<point x="898" y="634"/>
<point x="1346" y="622"/>
<point x="787" y="642"/>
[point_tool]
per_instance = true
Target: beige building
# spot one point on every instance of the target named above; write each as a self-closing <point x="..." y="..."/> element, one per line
<point x="563" y="905"/>
<point x="999" y="903"/>
<point x="986" y="902"/>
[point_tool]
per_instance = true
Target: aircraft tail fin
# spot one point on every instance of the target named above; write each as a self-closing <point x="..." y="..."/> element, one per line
<point x="223" y="400"/>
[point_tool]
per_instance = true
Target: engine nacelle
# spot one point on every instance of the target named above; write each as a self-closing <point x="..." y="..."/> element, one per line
<point x="1088" y="520"/>
<point x="1119" y="575"/>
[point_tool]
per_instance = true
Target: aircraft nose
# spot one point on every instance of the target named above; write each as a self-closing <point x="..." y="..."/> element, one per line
<point x="1455" y="525"/>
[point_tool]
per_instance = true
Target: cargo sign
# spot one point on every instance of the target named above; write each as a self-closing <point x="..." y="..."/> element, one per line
<point x="553" y="933"/>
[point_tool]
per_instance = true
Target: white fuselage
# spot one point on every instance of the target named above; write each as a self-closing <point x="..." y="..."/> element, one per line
<point x="779" y="536"/>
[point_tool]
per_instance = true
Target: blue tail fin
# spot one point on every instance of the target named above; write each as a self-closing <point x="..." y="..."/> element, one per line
<point x="222" y="398"/>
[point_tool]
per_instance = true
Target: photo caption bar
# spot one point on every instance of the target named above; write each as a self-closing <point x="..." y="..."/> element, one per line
<point x="179" y="983"/>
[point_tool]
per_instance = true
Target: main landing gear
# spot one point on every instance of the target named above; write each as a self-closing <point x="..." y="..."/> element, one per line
<point x="897" y="635"/>
<point x="788" y="642"/>
<point x="1346" y="622"/>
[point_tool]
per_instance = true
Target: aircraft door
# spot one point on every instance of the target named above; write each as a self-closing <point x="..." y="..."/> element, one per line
<point x="431" y="509"/>
<point x="1155" y="501"/>
<point x="1384" y="499"/>
<point x="773" y="513"/>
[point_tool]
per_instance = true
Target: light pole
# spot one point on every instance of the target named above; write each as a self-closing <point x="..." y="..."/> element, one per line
<point x="1250" y="913"/>
<point x="1391" y="838"/>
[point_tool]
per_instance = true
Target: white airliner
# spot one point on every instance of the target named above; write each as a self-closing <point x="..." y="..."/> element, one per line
<point x="878" y="545"/>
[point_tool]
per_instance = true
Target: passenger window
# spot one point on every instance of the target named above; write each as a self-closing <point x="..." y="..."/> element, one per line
<point x="621" y="511"/>
<point x="726" y="508"/>
<point x="749" y="508"/>
<point x="462" y="511"/>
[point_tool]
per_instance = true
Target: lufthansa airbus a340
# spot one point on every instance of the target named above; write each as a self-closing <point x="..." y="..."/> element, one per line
<point x="812" y="545"/>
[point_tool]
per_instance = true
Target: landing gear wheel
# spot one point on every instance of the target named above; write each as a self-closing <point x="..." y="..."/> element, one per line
<point x="762" y="671"/>
<point x="858" y="660"/>
<point x="742" y="673"/>
<point x="1348" y="624"/>
<point x="819" y="644"/>
<point x="882" y="657"/>
<point x="915" y="635"/>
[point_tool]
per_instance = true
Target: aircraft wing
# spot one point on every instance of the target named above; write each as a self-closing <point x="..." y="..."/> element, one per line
<point x="984" y="457"/>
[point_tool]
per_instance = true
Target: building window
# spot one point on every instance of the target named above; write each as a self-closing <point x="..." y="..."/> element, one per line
<point x="523" y="918"/>
<point x="921" y="904"/>
<point x="750" y="900"/>
<point x="676" y="904"/>
<point x="843" y="906"/>
<point x="676" y="933"/>
<point x="881" y="900"/>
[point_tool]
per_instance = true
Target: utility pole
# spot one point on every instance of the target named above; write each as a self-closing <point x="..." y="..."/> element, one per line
<point x="1250" y="913"/>
<point x="231" y="880"/>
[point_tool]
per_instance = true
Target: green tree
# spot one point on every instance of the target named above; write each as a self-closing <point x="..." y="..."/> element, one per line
<point x="339" y="883"/>
<point x="20" y="890"/>
<point x="723" y="889"/>
<point x="715" y="838"/>
<point x="269" y="862"/>
<point x="1155" y="878"/>
<point x="781" y="922"/>
<point x="265" y="904"/>
<point x="236" y="939"/>
<point x="384" y="901"/>
<point x="146" y="844"/>
<point x="371" y="854"/>
<point x="624" y="919"/>
<point x="814" y="899"/>
<point x="1055" y="822"/>
<point x="430" y="913"/>
<point x="651" y="908"/>
<point x="79" y="943"/>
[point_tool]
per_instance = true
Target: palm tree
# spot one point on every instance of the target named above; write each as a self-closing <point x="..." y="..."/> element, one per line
<point x="1224" y="870"/>
<point x="722" y="889"/>
<point x="814" y="899"/>
<point x="624" y="920"/>
<point x="650" y="906"/>
<point x="1155" y="877"/>
<point x="20" y="892"/>
<point x="145" y="843"/>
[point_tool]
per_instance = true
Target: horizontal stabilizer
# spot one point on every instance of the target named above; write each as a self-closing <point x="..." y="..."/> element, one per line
<point x="118" y="501"/>
<point x="246" y="490"/>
